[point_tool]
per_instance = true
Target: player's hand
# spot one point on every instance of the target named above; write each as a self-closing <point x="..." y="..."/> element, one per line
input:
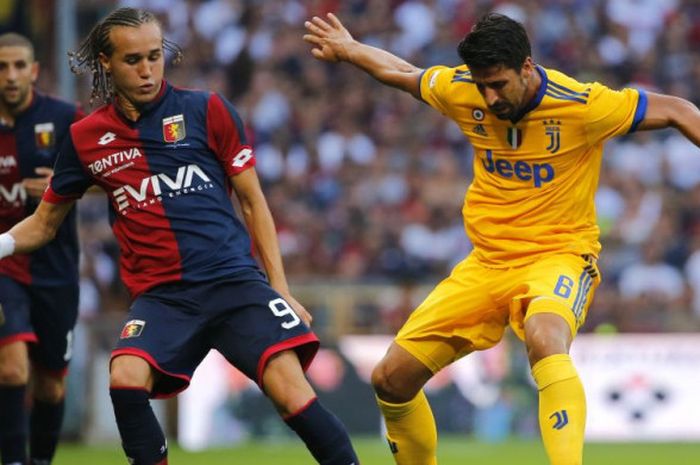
<point x="329" y="38"/>
<point x="35" y="187"/>
<point x="299" y="310"/>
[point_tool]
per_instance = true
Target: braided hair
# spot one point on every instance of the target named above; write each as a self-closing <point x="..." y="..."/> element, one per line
<point x="87" y="57"/>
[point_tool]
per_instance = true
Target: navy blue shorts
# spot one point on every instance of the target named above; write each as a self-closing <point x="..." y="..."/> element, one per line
<point x="44" y="316"/>
<point x="173" y="326"/>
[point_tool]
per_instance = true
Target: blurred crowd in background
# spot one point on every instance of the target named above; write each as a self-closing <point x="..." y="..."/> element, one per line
<point x="366" y="184"/>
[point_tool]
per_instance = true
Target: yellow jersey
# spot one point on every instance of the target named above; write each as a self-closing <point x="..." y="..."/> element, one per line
<point x="534" y="180"/>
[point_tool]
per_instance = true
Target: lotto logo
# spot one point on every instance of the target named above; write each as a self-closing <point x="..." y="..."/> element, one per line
<point x="107" y="138"/>
<point x="242" y="158"/>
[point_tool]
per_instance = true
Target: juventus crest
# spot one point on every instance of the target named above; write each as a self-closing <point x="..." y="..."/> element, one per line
<point x="552" y="130"/>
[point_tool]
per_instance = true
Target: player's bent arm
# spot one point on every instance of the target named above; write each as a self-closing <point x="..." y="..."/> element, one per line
<point x="36" y="230"/>
<point x="262" y="229"/>
<point x="385" y="67"/>
<point x="332" y="42"/>
<point x="665" y="111"/>
<point x="259" y="220"/>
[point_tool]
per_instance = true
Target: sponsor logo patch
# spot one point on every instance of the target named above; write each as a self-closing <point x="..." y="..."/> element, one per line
<point x="480" y="130"/>
<point x="114" y="160"/>
<point x="152" y="189"/>
<point x="106" y="138"/>
<point x="242" y="158"/>
<point x="14" y="195"/>
<point x="538" y="174"/>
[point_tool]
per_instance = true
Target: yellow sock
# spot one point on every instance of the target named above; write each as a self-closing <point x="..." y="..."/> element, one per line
<point x="562" y="409"/>
<point x="411" y="431"/>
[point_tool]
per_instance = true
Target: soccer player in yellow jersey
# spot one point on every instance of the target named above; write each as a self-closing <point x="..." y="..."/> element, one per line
<point x="538" y="139"/>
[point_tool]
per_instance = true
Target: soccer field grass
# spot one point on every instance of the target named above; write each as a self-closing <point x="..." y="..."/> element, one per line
<point x="372" y="451"/>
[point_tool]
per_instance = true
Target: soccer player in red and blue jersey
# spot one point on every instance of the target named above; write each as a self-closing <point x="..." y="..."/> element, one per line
<point x="169" y="160"/>
<point x="38" y="291"/>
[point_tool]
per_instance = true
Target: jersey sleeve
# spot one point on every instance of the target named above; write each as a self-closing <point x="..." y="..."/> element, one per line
<point x="69" y="180"/>
<point x="434" y="86"/>
<point x="611" y="113"/>
<point x="226" y="136"/>
<point x="79" y="113"/>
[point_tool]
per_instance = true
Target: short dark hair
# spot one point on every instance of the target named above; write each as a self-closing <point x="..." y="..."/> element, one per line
<point x="87" y="57"/>
<point x="12" y="39"/>
<point x="495" y="40"/>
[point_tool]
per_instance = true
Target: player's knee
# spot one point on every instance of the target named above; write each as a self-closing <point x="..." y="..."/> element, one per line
<point x="285" y="384"/>
<point x="49" y="388"/>
<point x="130" y="371"/>
<point x="14" y="373"/>
<point x="387" y="386"/>
<point x="545" y="335"/>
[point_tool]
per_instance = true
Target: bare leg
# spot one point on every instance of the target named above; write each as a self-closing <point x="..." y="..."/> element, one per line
<point x="398" y="381"/>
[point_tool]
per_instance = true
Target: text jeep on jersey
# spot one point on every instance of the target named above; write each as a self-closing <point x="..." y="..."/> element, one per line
<point x="538" y="173"/>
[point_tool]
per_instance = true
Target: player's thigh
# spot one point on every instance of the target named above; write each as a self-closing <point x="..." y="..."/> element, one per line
<point x="563" y="285"/>
<point x="15" y="332"/>
<point x="164" y="331"/>
<point x="458" y="317"/>
<point x="54" y="312"/>
<point x="14" y="364"/>
<point x="261" y="325"/>
<point x="284" y="383"/>
<point x="15" y="304"/>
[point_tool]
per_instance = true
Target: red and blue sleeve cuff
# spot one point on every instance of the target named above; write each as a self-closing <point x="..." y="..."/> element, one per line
<point x="52" y="197"/>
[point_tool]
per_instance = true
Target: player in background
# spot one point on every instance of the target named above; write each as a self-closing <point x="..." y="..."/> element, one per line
<point x="538" y="140"/>
<point x="38" y="291"/>
<point x="169" y="160"/>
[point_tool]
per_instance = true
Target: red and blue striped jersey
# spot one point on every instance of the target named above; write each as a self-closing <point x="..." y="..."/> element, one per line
<point x="33" y="142"/>
<point x="167" y="179"/>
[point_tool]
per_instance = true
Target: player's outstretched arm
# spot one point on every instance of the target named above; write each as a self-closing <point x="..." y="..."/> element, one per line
<point x="664" y="111"/>
<point x="262" y="229"/>
<point x="332" y="42"/>
<point x="36" y="230"/>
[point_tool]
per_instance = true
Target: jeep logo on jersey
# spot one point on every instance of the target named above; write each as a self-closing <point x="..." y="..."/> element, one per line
<point x="44" y="135"/>
<point x="15" y="194"/>
<point x="536" y="172"/>
<point x="115" y="159"/>
<point x="174" y="128"/>
<point x="151" y="189"/>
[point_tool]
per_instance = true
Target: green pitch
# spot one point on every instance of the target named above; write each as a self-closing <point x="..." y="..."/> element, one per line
<point x="452" y="451"/>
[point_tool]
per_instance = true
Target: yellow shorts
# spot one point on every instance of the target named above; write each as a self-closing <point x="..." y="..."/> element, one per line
<point x="470" y="309"/>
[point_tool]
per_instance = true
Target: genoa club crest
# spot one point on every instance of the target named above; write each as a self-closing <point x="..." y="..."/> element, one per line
<point x="132" y="328"/>
<point x="174" y="128"/>
<point x="44" y="135"/>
